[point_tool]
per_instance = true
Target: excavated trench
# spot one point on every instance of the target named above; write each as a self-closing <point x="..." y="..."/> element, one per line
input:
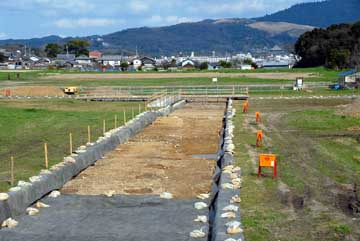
<point x="176" y="154"/>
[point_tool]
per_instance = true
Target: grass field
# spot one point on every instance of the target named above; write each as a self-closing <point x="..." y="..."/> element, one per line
<point x="54" y="78"/>
<point x="26" y="125"/>
<point x="319" y="163"/>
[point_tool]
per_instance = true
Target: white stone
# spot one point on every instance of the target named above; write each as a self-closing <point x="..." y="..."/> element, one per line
<point x="23" y="184"/>
<point x="15" y="189"/>
<point x="228" y="215"/>
<point x="9" y="223"/>
<point x="197" y="234"/>
<point x="35" y="179"/>
<point x="4" y="196"/>
<point x="231" y="208"/>
<point x="202" y="219"/>
<point x="203" y="196"/>
<point x="109" y="193"/>
<point x="32" y="211"/>
<point x="41" y="205"/>
<point x="166" y="195"/>
<point x="200" y="205"/>
<point x="54" y="194"/>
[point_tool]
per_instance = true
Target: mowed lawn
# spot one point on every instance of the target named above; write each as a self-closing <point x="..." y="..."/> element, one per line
<point x="318" y="150"/>
<point x="26" y="125"/>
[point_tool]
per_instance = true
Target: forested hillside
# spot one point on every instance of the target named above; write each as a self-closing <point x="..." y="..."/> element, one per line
<point x="320" y="13"/>
<point x="336" y="47"/>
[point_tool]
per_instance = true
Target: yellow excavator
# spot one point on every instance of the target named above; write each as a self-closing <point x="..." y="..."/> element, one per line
<point x="71" y="90"/>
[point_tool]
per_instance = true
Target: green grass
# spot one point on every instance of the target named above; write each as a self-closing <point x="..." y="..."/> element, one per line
<point x="32" y="78"/>
<point x="308" y="154"/>
<point x="26" y="125"/>
<point x="321" y="120"/>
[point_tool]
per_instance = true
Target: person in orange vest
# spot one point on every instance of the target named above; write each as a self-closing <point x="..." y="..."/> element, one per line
<point x="259" y="136"/>
<point x="257" y="115"/>
<point x="246" y="106"/>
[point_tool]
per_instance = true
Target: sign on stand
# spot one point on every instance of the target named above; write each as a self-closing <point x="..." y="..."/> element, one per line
<point x="268" y="161"/>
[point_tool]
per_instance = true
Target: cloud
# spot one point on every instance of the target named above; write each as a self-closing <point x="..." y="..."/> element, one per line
<point x="138" y="6"/>
<point x="85" y="22"/>
<point x="78" y="6"/>
<point x="3" y="36"/>
<point x="157" y="20"/>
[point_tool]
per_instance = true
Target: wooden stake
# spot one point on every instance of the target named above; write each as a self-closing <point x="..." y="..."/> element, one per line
<point x="12" y="180"/>
<point x="124" y="117"/>
<point x="145" y="107"/>
<point x="89" y="134"/>
<point x="104" y="126"/>
<point x="46" y="156"/>
<point x="139" y="109"/>
<point x="70" y="143"/>
<point x="133" y="114"/>
<point x="115" y="121"/>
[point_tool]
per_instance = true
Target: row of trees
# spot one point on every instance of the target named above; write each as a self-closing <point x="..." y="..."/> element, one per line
<point x="75" y="46"/>
<point x="336" y="47"/>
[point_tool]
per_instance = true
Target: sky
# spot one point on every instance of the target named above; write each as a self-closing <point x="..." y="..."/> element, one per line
<point x="38" y="18"/>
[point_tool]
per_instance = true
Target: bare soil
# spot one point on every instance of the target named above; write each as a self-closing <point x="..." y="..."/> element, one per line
<point x="118" y="76"/>
<point x="160" y="159"/>
<point x="352" y="109"/>
<point x="33" y="91"/>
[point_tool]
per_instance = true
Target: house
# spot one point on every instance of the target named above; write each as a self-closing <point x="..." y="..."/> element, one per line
<point x="66" y="57"/>
<point x="111" y="60"/>
<point x="213" y="66"/>
<point x="246" y="67"/>
<point x="275" y="65"/>
<point x="95" y="55"/>
<point x="137" y="63"/>
<point x="148" y="63"/>
<point x="350" y="79"/>
<point x="187" y="64"/>
<point x="83" y="60"/>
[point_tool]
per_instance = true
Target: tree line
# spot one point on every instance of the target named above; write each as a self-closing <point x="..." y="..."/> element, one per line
<point x="74" y="46"/>
<point x="336" y="47"/>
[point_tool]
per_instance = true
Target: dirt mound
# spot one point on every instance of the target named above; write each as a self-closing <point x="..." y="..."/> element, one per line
<point x="33" y="91"/>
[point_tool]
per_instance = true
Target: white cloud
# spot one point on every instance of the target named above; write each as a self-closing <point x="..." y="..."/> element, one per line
<point x="3" y="36"/>
<point x="158" y="20"/>
<point x="85" y="22"/>
<point x="138" y="6"/>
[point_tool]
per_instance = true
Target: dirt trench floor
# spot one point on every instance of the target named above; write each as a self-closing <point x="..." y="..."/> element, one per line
<point x="175" y="154"/>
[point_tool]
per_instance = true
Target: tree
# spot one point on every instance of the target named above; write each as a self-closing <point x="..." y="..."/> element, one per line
<point x="2" y="58"/>
<point x="338" y="59"/>
<point x="225" y="64"/>
<point x="78" y="47"/>
<point x="248" y="61"/>
<point x="204" y="66"/>
<point x="52" y="50"/>
<point x="124" y="66"/>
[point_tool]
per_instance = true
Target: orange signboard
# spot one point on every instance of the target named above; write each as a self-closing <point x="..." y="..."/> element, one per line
<point x="268" y="160"/>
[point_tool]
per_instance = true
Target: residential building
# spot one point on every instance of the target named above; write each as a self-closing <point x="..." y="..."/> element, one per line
<point x="350" y="78"/>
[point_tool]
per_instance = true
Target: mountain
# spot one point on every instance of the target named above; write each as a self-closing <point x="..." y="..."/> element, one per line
<point x="222" y="36"/>
<point x="319" y="14"/>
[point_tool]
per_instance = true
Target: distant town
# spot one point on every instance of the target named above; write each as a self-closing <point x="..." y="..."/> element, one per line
<point x="24" y="58"/>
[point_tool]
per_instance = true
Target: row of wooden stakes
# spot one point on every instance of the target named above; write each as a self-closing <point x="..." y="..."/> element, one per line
<point x="46" y="153"/>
